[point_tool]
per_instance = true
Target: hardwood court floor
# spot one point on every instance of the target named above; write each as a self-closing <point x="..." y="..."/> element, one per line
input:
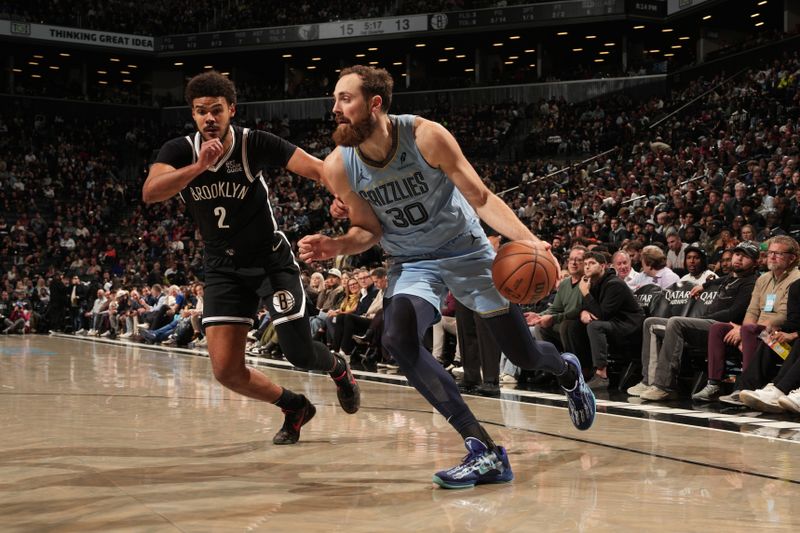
<point x="100" y="437"/>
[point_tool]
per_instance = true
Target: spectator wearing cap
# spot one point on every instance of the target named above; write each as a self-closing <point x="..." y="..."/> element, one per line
<point x="661" y="366"/>
<point x="654" y="269"/>
<point x="609" y="311"/>
<point x="696" y="266"/>
<point x="767" y="308"/>
<point x="651" y="236"/>
<point x="329" y="298"/>
<point x="676" y="254"/>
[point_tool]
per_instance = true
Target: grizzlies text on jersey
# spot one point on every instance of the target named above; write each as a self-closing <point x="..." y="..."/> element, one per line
<point x="230" y="201"/>
<point x="419" y="208"/>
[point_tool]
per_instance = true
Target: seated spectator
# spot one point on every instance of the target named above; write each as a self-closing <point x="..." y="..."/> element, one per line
<point x="357" y="324"/>
<point x="366" y="295"/>
<point x="19" y="321"/>
<point x="316" y="284"/>
<point x="763" y="369"/>
<point x="634" y="250"/>
<point x="330" y="298"/>
<point x="767" y="308"/>
<point x="654" y="269"/>
<point x="660" y="367"/>
<point x="155" y="315"/>
<point x="553" y="324"/>
<point x="96" y="312"/>
<point x="723" y="267"/>
<point x="609" y="312"/>
<point x="695" y="266"/>
<point x="349" y="305"/>
<point x="621" y="262"/>
<point x="676" y="254"/>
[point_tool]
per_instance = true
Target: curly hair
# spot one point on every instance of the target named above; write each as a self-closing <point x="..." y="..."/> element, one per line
<point x="210" y="83"/>
<point x="374" y="82"/>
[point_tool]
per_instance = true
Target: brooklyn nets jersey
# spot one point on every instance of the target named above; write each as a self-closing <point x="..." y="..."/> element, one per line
<point x="230" y="201"/>
<point x="420" y="209"/>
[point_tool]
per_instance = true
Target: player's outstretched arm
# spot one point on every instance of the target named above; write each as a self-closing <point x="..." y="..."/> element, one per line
<point x="165" y="181"/>
<point x="365" y="228"/>
<point x="441" y="150"/>
<point x="306" y="165"/>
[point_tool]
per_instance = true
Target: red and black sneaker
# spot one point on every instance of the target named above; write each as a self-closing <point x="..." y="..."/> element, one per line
<point x="347" y="389"/>
<point x="290" y="431"/>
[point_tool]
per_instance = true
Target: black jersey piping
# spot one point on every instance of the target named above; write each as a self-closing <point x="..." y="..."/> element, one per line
<point x="245" y="162"/>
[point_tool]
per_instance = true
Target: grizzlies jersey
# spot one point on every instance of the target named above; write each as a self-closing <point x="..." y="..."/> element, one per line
<point x="420" y="209"/>
<point x="230" y="201"/>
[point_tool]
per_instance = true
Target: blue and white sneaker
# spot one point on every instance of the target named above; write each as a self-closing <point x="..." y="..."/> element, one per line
<point x="582" y="406"/>
<point x="479" y="466"/>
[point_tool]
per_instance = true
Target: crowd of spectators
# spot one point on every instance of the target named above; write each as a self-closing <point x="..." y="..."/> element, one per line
<point x="721" y="171"/>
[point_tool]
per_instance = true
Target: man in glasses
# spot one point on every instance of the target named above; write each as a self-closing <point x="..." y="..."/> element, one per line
<point x="553" y="324"/>
<point x="767" y="309"/>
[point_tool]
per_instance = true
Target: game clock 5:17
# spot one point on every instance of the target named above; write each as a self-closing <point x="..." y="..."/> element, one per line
<point x="373" y="27"/>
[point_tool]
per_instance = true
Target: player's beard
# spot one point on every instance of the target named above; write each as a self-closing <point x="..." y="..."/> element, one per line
<point x="354" y="133"/>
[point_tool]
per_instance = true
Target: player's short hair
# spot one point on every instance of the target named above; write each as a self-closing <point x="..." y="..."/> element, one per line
<point x="374" y="82"/>
<point x="210" y="83"/>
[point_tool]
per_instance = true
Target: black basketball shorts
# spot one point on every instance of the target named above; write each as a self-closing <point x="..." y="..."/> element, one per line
<point x="234" y="286"/>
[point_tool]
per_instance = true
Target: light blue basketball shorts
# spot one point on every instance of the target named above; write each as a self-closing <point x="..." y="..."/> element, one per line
<point x="467" y="275"/>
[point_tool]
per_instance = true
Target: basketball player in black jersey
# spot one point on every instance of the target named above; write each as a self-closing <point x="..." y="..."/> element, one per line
<point x="218" y="173"/>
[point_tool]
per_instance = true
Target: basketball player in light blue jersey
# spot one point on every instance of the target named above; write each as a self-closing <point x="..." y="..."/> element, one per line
<point x="405" y="182"/>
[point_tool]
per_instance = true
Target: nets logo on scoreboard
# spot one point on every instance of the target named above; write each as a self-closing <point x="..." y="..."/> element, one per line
<point x="438" y="21"/>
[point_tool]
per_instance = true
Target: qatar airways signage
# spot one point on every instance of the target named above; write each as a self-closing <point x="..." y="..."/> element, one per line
<point x="105" y="39"/>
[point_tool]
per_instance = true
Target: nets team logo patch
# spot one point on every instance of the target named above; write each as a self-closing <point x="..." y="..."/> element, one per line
<point x="282" y="301"/>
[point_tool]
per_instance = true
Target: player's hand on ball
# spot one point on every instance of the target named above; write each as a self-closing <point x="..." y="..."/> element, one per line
<point x="316" y="248"/>
<point x="210" y="151"/>
<point x="546" y="246"/>
<point x="339" y="209"/>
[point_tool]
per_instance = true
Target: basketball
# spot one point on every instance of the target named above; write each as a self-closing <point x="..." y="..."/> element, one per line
<point x="523" y="273"/>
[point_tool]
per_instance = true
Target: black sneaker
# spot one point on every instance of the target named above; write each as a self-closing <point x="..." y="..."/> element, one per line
<point x="490" y="390"/>
<point x="347" y="389"/>
<point x="290" y="431"/>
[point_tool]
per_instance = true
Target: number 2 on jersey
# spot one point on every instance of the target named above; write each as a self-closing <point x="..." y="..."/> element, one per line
<point x="220" y="212"/>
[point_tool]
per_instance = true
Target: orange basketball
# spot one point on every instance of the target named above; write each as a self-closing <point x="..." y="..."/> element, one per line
<point x="524" y="274"/>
